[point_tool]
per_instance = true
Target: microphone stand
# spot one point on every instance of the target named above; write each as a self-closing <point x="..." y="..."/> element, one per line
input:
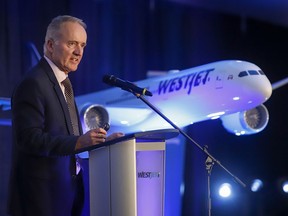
<point x="209" y="165"/>
<point x="210" y="161"/>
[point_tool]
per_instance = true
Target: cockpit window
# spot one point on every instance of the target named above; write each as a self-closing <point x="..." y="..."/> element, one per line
<point x="250" y="72"/>
<point x="243" y="73"/>
<point x="253" y="72"/>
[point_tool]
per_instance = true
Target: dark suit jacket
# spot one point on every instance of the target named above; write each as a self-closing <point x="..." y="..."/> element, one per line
<point x="43" y="171"/>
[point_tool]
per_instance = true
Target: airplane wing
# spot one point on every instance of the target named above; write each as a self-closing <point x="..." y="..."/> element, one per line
<point x="280" y="83"/>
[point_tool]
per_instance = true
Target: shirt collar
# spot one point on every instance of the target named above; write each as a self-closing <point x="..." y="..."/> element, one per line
<point x="60" y="75"/>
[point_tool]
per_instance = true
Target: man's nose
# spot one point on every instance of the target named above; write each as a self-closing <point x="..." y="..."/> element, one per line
<point x="78" y="50"/>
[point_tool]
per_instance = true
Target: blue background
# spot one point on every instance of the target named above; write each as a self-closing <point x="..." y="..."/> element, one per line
<point x="129" y="38"/>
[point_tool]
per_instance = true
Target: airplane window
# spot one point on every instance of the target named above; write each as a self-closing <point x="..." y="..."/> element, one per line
<point x="242" y="74"/>
<point x="253" y="72"/>
<point x="261" y="72"/>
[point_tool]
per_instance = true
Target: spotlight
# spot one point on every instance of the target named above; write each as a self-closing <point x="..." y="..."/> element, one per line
<point x="256" y="185"/>
<point x="225" y="190"/>
<point x="285" y="186"/>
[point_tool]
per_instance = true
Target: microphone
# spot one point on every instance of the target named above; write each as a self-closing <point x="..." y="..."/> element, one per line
<point x="125" y="85"/>
<point x="106" y="126"/>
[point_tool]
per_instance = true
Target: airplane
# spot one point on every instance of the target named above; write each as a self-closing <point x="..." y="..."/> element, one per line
<point x="231" y="90"/>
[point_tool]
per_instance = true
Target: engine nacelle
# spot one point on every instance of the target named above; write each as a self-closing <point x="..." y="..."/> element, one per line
<point x="93" y="116"/>
<point x="246" y="122"/>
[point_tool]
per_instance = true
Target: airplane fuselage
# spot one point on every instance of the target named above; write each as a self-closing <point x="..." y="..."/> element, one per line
<point x="187" y="96"/>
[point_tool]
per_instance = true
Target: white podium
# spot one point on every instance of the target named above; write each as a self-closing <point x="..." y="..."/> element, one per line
<point x="127" y="175"/>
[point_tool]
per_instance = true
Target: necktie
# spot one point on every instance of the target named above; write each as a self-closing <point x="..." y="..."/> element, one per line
<point x="71" y="105"/>
<point x="68" y="91"/>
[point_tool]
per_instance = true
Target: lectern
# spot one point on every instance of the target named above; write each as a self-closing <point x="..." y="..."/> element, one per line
<point x="127" y="175"/>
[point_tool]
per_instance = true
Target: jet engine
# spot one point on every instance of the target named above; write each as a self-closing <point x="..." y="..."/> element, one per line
<point x="246" y="122"/>
<point x="93" y="116"/>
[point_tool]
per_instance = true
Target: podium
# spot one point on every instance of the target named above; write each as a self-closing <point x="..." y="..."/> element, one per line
<point x="127" y="175"/>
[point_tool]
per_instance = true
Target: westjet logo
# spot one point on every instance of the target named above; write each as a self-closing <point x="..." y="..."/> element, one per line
<point x="187" y="82"/>
<point x="148" y="174"/>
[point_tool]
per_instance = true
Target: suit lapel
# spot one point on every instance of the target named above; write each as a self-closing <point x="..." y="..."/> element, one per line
<point x="58" y="92"/>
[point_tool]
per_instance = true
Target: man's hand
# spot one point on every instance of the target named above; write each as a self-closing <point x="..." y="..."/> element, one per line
<point x="115" y="136"/>
<point x="92" y="137"/>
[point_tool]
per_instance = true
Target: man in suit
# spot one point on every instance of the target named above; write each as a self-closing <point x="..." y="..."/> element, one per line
<point x="45" y="180"/>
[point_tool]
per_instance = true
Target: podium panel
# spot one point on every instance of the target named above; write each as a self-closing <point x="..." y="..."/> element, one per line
<point x="150" y="170"/>
<point x="127" y="178"/>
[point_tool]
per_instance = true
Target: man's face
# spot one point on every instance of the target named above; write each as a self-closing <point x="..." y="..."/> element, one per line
<point x="67" y="49"/>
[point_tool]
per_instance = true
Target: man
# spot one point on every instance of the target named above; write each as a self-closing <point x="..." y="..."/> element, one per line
<point x="45" y="179"/>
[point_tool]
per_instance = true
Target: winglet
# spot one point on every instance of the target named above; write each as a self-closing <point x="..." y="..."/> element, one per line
<point x="5" y="104"/>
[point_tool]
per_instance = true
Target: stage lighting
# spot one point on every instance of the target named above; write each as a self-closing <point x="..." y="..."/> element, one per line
<point x="225" y="190"/>
<point x="256" y="185"/>
<point x="285" y="186"/>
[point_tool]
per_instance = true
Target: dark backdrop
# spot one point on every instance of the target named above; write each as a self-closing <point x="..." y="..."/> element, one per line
<point x="128" y="38"/>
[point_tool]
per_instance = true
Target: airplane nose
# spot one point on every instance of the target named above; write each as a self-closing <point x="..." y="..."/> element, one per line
<point x="265" y="87"/>
<point x="249" y="91"/>
<point x="261" y="87"/>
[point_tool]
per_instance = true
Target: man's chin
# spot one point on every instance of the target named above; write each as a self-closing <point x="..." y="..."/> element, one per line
<point x="71" y="69"/>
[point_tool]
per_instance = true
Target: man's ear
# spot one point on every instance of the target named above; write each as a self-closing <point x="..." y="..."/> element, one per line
<point x="49" y="45"/>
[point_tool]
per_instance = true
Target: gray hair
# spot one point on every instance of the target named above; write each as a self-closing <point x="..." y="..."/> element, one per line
<point x="54" y="26"/>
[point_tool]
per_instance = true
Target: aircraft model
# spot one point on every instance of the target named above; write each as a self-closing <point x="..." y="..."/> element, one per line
<point x="231" y="90"/>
